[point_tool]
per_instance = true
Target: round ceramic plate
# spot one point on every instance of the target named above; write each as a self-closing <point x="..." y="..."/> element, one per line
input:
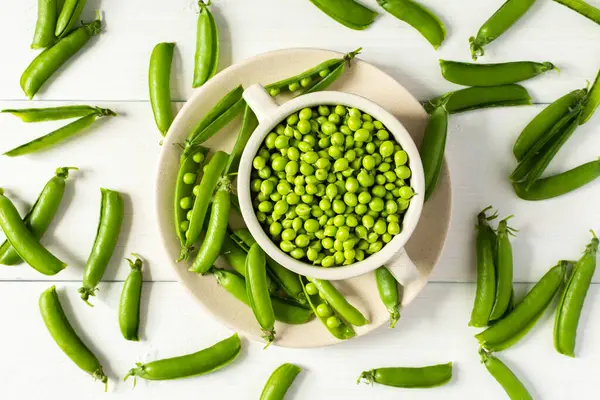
<point x="424" y="247"/>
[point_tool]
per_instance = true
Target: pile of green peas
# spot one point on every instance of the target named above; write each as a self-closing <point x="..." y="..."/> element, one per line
<point x="330" y="185"/>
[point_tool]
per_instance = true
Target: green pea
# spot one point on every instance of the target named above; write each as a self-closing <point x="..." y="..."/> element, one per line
<point x="347" y="173"/>
<point x="255" y="185"/>
<point x="270" y="140"/>
<point x="351" y="185"/>
<point x="292" y="198"/>
<point x="304" y="147"/>
<point x="303" y="210"/>
<point x="406" y="192"/>
<point x="349" y="254"/>
<point x="340" y="110"/>
<point x="275" y="228"/>
<point x="312" y="254"/>
<point x="262" y="197"/>
<point x="297" y="224"/>
<point x="293" y="154"/>
<point x="393" y="228"/>
<point x="324" y="110"/>
<point x="189" y="215"/>
<point x="184" y="225"/>
<point x="339" y="206"/>
<point x="283" y="188"/>
<point x="373" y="214"/>
<point x="338" y="245"/>
<point x="323" y="310"/>
<point x="375" y="247"/>
<point x="342" y="234"/>
<point x="316" y="211"/>
<point x="325" y="204"/>
<point x="261" y="216"/>
<point x="335" y="152"/>
<point x="311" y="188"/>
<point x="361" y="232"/>
<point x="368" y="162"/>
<point x="337" y="139"/>
<point x="307" y="198"/>
<point x="306" y="169"/>
<point x="339" y="221"/>
<point x="323" y="142"/>
<point x="311" y="180"/>
<point x="302" y="240"/>
<point x="330" y="231"/>
<point x="327" y="243"/>
<point x="327" y="262"/>
<point x="361" y="135"/>
<point x="370" y="147"/>
<point x="340" y="165"/>
<point x="350" y="199"/>
<point x="198" y="158"/>
<point x="196" y="190"/>
<point x="329" y="128"/>
<point x="281" y="207"/>
<point x="380" y="227"/>
<point x="372" y="237"/>
<point x="288" y="235"/>
<point x="288" y="131"/>
<point x="387" y="148"/>
<point x="185" y="203"/>
<point x="320" y="189"/>
<point x="259" y="162"/>
<point x="305" y="114"/>
<point x="266" y="187"/>
<point x="365" y="179"/>
<point x="297" y="253"/>
<point x="321" y="120"/>
<point x="334" y="119"/>
<point x="361" y="209"/>
<point x="403" y="172"/>
<point x="338" y="257"/>
<point x="311" y="289"/>
<point x="400" y="158"/>
<point x="331" y="191"/>
<point x="332" y="322"/>
<point x="311" y="225"/>
<point x="364" y="197"/>
<point x="354" y="123"/>
<point x="303" y="127"/>
<point x="282" y="142"/>
<point x="382" y="134"/>
<point x="291" y="214"/>
<point x="264" y="173"/>
<point x="363" y="244"/>
<point x="344" y="129"/>
<point x="286" y="223"/>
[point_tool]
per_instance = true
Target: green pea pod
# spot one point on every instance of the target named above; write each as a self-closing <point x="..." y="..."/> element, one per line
<point x="545" y="121"/>
<point x="69" y="17"/>
<point x="338" y="302"/>
<point x="218" y="124"/>
<point x="249" y="124"/>
<point x="474" y="98"/>
<point x="258" y="292"/>
<point x="41" y="214"/>
<point x="406" y="377"/>
<point x="469" y="74"/>
<point x="65" y="336"/>
<point x="573" y="298"/>
<point x="347" y="12"/>
<point x="592" y="101"/>
<point x="557" y="185"/>
<point x="107" y="236"/>
<point x="217" y="229"/>
<point x="284" y="311"/>
<point x="515" y="325"/>
<point x="129" y="306"/>
<point x="24" y="242"/>
<point x="228" y="101"/>
<point x="53" y="113"/>
<point x="159" y="82"/>
<point x="207" y="46"/>
<point x="51" y="59"/>
<point x="422" y="19"/>
<point x="583" y="8"/>
<point x="388" y="292"/>
<point x="497" y="24"/>
<point x="279" y="382"/>
<point x="433" y="147"/>
<point x="59" y="135"/>
<point x="202" y="362"/>
<point x="486" y="274"/>
<point x="513" y="387"/>
<point x="343" y="331"/>
<point x="334" y="75"/>
<point x="504" y="270"/>
<point x="46" y="24"/>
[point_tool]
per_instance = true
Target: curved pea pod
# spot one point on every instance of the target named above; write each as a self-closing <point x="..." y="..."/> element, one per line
<point x="65" y="336"/>
<point x="226" y="103"/>
<point x="53" y="113"/>
<point x="51" y="59"/>
<point x="469" y="74"/>
<point x="515" y="325"/>
<point x="46" y="24"/>
<point x="343" y="331"/>
<point x="202" y="362"/>
<point x="557" y="185"/>
<point x="513" y="387"/>
<point x="69" y="17"/>
<point x="258" y="292"/>
<point x="419" y="17"/>
<point x="504" y="270"/>
<point x="207" y="46"/>
<point x="497" y="24"/>
<point x="573" y="298"/>
<point x="338" y="302"/>
<point x="24" y="241"/>
<point x="129" y="305"/>
<point x="474" y="98"/>
<point x="279" y="382"/>
<point x="41" y="214"/>
<point x="249" y="124"/>
<point x="159" y="77"/>
<point x="433" y="147"/>
<point x="544" y="122"/>
<point x="592" y="100"/>
<point x="347" y="12"/>
<point x="219" y="123"/>
<point x="107" y="236"/>
<point x="388" y="292"/>
<point x="407" y="377"/>
<point x="486" y="272"/>
<point x="583" y="8"/>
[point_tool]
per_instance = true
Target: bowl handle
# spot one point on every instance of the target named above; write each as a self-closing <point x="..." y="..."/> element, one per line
<point x="260" y="101"/>
<point x="403" y="269"/>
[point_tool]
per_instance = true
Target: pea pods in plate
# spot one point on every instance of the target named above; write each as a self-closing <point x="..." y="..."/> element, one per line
<point x="389" y="293"/>
<point x="433" y="147"/>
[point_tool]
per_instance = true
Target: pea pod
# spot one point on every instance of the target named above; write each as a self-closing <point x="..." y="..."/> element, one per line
<point x="129" y="306"/>
<point x="219" y="123"/>
<point x="279" y="382"/>
<point x="497" y="24"/>
<point x="515" y="325"/>
<point x="40" y="215"/>
<point x="583" y="8"/>
<point x="573" y="298"/>
<point x="202" y="362"/>
<point x="65" y="336"/>
<point x="24" y="242"/>
<point x="474" y="98"/>
<point x="54" y="113"/>
<point x="284" y="311"/>
<point x="469" y="74"/>
<point x="388" y="292"/>
<point x="342" y="330"/>
<point x="338" y="302"/>
<point x="419" y="17"/>
<point x="226" y="103"/>
<point x="51" y="59"/>
<point x="592" y="101"/>
<point x="258" y="292"/>
<point x="249" y="124"/>
<point x="159" y="82"/>
<point x="504" y="270"/>
<point x="347" y="12"/>
<point x="69" y="17"/>
<point x="328" y="79"/>
<point x="545" y="121"/>
<point x="46" y="24"/>
<point x="206" y="59"/>
<point x="513" y="387"/>
<point x="407" y="377"/>
<point x="557" y="185"/>
<point x="59" y="135"/>
<point x="433" y="147"/>
<point x="111" y="218"/>
<point x="486" y="274"/>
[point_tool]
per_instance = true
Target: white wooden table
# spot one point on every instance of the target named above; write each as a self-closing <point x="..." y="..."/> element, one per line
<point x="121" y="153"/>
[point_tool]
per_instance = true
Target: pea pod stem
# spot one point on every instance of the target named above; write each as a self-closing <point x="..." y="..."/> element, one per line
<point x="511" y="384"/>
<point x="206" y="59"/>
<point x="46" y="24"/>
<point x="592" y="101"/>
<point x="347" y="12"/>
<point x="54" y="113"/>
<point x="433" y="147"/>
<point x="583" y="8"/>
<point x="69" y="17"/>
<point x="481" y="97"/>
<point x="159" y="83"/>
<point x="258" y="292"/>
<point x="389" y="293"/>
<point x="280" y="381"/>
<point x="338" y="302"/>
<point x="504" y="270"/>
<point x="41" y="214"/>
<point x="408" y="377"/>
<point x="469" y="74"/>
<point x="129" y="305"/>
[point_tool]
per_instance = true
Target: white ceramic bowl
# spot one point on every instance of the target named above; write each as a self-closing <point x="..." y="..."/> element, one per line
<point x="392" y="254"/>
